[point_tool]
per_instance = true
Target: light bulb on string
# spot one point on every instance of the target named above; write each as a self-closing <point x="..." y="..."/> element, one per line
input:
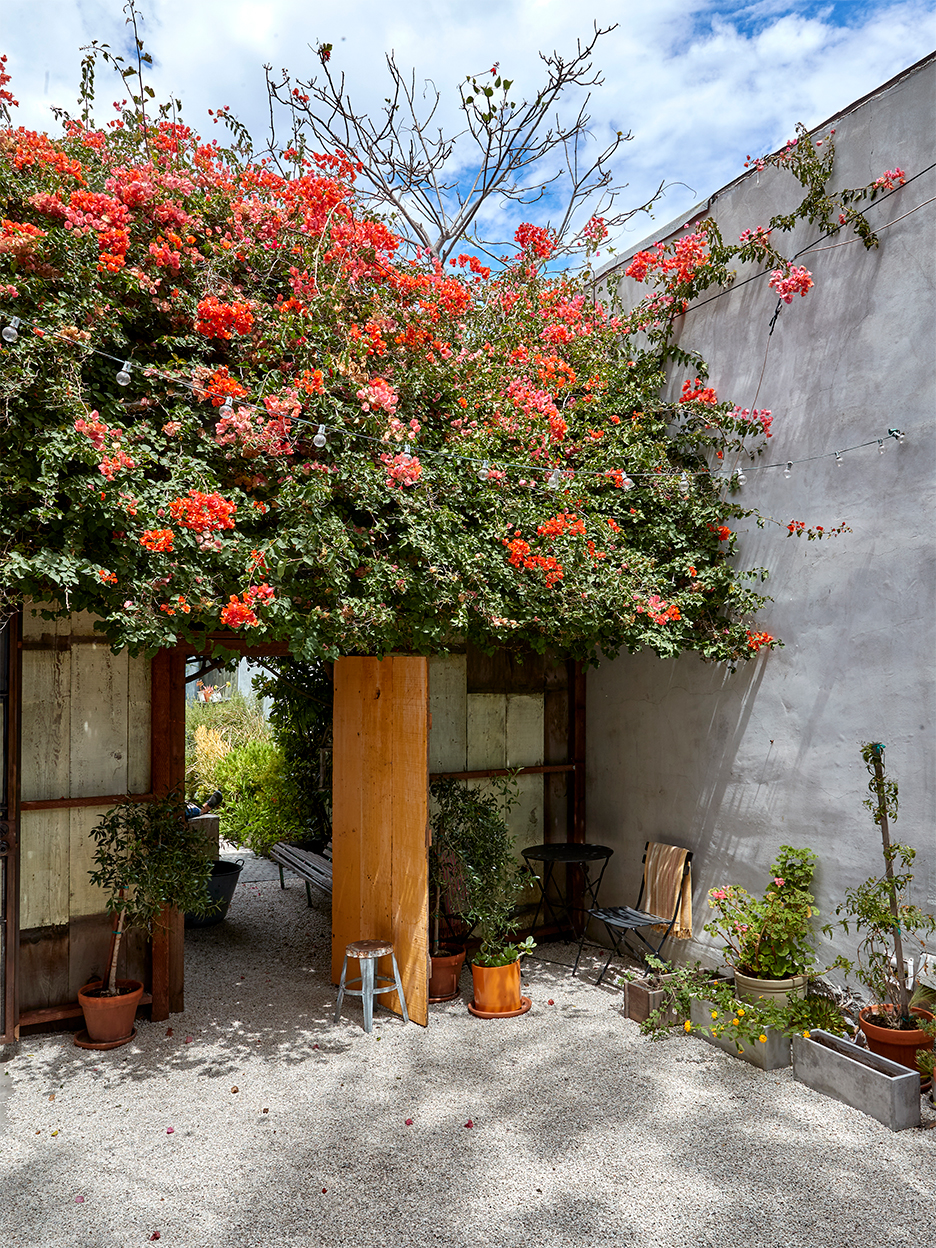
<point x="319" y="440"/>
<point x="11" y="331"/>
<point x="227" y="407"/>
<point x="898" y="434"/>
<point x="406" y="457"/>
<point x="788" y="470"/>
<point x="881" y="447"/>
<point x="684" y="485"/>
<point x="552" y="481"/>
<point x="484" y="471"/>
<point x="838" y="459"/>
<point x="123" y="377"/>
<point x="627" y="483"/>
<point x="739" y="477"/>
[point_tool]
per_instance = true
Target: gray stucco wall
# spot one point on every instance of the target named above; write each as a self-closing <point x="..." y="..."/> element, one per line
<point x="733" y="766"/>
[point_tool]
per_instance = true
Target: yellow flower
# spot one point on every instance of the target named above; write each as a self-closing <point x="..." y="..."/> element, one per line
<point x="687" y="1025"/>
<point x="741" y="1013"/>
<point x="806" y="1034"/>
<point x="736" y="1021"/>
<point x="714" y="1013"/>
<point x="762" y="1039"/>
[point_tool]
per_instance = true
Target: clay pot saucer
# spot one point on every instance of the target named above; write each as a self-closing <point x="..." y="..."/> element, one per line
<point x="525" y="1003"/>
<point x="84" y="1041"/>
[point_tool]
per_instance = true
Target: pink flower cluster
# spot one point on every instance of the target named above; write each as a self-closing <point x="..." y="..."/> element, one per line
<point x="759" y="416"/>
<point x="379" y="395"/>
<point x="796" y="281"/>
<point x="402" y="469"/>
<point x="891" y="178"/>
<point x="97" y="434"/>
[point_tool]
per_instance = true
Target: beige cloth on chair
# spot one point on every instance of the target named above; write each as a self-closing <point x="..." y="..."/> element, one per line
<point x="664" y="882"/>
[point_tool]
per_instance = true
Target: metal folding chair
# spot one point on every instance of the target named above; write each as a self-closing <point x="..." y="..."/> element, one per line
<point x="619" y="920"/>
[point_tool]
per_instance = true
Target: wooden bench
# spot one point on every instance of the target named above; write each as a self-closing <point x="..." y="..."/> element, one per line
<point x="312" y="868"/>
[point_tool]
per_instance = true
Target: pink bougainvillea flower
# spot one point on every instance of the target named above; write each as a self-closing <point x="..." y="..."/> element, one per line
<point x="409" y="1122"/>
<point x="469" y="1123"/>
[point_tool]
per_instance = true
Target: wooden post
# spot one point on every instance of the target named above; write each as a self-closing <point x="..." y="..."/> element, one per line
<point x="168" y="773"/>
<point x="380" y="817"/>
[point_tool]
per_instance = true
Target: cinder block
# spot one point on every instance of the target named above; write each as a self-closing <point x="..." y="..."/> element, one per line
<point x="841" y="1069"/>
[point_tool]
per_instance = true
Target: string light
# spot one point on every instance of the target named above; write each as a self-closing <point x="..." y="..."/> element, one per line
<point x="406" y="457"/>
<point x="788" y="470"/>
<point x="10" y="335"/>
<point x="484" y="471"/>
<point x="684" y="485"/>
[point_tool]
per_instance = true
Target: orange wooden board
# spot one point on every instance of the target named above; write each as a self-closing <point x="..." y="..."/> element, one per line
<point x="379" y="818"/>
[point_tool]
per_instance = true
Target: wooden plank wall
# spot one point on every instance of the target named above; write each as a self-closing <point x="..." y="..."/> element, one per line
<point x="380" y="817"/>
<point x="85" y="734"/>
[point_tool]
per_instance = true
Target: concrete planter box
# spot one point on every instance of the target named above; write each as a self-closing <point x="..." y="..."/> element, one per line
<point x="841" y="1069"/>
<point x="640" y="1000"/>
<point x="773" y="1055"/>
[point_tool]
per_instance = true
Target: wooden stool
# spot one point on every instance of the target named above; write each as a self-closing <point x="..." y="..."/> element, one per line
<point x="367" y="952"/>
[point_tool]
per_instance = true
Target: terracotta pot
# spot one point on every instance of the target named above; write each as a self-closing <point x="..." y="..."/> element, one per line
<point x="899" y="1046"/>
<point x="497" y="988"/>
<point x="771" y="991"/>
<point x="446" y="972"/>
<point x="110" y="1018"/>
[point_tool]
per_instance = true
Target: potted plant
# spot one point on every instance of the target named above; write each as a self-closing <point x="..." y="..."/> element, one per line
<point x="891" y="928"/>
<point x="148" y="857"/>
<point x="768" y="942"/>
<point x="472" y="856"/>
<point x="644" y="993"/>
<point x="474" y="878"/>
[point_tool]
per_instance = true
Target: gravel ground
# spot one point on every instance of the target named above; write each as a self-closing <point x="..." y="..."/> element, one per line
<point x="256" y="1121"/>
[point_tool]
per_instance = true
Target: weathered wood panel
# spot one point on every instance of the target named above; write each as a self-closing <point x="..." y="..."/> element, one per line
<point x="448" y="708"/>
<point x="46" y="723"/>
<point x="99" y="712"/>
<point x="84" y="897"/>
<point x="380" y="815"/>
<point x="44" y="868"/>
<point x="139" y="725"/>
<point x="487" y="730"/>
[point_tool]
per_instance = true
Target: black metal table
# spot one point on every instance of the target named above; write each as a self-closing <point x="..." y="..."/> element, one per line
<point x="566" y="855"/>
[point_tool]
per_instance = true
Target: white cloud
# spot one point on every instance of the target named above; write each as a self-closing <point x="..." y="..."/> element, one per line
<point x="701" y="83"/>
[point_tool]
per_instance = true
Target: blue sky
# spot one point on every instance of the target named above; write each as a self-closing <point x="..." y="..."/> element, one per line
<point x="701" y="83"/>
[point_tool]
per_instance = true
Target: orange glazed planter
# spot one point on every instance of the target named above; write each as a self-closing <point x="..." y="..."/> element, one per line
<point x="497" y="991"/>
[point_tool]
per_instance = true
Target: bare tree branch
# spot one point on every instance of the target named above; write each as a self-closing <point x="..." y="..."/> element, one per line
<point x="436" y="187"/>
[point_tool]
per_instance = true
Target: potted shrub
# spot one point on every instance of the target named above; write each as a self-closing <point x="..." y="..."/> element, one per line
<point x="472" y="854"/>
<point x="474" y="877"/>
<point x="768" y="942"/>
<point x="891" y="929"/>
<point x="148" y="856"/>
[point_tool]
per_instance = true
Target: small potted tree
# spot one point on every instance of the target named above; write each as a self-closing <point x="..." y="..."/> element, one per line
<point x="471" y="871"/>
<point x="148" y="857"/>
<point x="891" y="929"/>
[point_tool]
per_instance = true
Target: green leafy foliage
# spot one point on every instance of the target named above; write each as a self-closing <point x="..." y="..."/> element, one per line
<point x="148" y="857"/>
<point x="769" y="938"/>
<point x="262" y="804"/>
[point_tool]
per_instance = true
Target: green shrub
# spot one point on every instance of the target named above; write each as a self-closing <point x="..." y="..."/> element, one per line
<point x="213" y="729"/>
<point x="262" y="805"/>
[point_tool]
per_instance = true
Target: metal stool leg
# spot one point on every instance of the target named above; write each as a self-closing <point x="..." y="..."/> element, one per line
<point x="341" y="988"/>
<point x="399" y="987"/>
<point x="367" y="992"/>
